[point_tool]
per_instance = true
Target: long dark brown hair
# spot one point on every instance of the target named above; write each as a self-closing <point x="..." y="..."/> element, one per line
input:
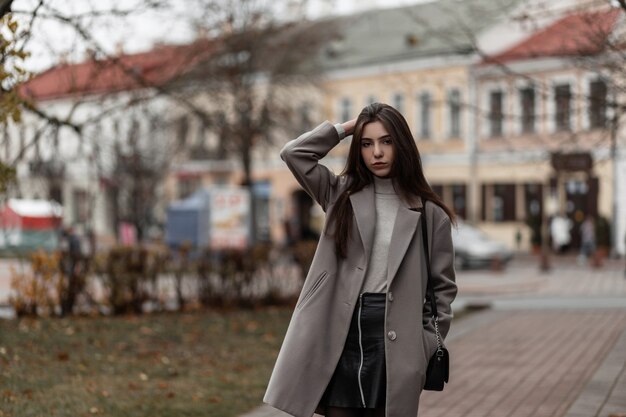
<point x="406" y="170"/>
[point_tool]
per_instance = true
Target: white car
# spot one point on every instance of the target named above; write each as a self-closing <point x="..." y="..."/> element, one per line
<point x="474" y="249"/>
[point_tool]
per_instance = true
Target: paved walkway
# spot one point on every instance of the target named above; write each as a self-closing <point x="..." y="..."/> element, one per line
<point x="553" y="345"/>
<point x="526" y="363"/>
<point x="566" y="278"/>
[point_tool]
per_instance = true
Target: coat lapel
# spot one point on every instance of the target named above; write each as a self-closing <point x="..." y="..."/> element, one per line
<point x="404" y="228"/>
<point x="364" y="208"/>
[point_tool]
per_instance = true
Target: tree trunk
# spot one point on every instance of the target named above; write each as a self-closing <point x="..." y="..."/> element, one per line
<point x="249" y="183"/>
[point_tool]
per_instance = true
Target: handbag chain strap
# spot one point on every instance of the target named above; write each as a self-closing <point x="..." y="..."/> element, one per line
<point x="429" y="286"/>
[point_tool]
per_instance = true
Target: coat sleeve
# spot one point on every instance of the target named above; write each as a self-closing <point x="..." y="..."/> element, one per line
<point x="443" y="276"/>
<point x="302" y="157"/>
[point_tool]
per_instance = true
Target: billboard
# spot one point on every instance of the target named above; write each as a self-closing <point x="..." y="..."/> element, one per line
<point x="229" y="218"/>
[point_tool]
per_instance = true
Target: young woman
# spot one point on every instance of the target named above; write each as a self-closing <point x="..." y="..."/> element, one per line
<point x="361" y="335"/>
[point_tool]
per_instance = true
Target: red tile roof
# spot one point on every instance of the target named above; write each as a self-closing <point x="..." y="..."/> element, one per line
<point x="577" y="34"/>
<point x="122" y="73"/>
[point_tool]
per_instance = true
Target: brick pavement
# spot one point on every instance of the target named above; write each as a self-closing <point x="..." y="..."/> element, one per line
<point x="525" y="363"/>
<point x="605" y="394"/>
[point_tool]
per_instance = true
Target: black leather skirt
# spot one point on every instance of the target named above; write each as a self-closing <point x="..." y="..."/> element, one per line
<point x="359" y="380"/>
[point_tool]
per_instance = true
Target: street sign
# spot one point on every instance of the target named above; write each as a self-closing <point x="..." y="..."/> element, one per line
<point x="579" y="161"/>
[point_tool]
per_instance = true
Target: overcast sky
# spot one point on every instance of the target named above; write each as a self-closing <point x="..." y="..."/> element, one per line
<point x="142" y="31"/>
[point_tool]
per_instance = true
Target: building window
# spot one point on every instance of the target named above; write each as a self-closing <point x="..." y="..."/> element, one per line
<point x="459" y="200"/>
<point x="503" y="207"/>
<point x="345" y="110"/>
<point x="56" y="192"/>
<point x="398" y="102"/>
<point x="498" y="202"/>
<point x="496" y="114"/>
<point x="437" y="189"/>
<point x="527" y="98"/>
<point x="425" y="106"/>
<point x="454" y="195"/>
<point x="533" y="200"/>
<point x="563" y="101"/>
<point x="81" y="206"/>
<point x="597" y="104"/>
<point x="454" y="104"/>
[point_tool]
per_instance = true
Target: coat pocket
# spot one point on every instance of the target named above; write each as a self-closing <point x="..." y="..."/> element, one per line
<point x="311" y="291"/>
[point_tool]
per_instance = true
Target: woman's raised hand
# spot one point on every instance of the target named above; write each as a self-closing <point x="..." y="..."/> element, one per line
<point x="349" y="126"/>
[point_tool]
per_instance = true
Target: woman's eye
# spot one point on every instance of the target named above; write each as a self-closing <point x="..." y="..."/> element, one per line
<point x="365" y="144"/>
<point x="387" y="141"/>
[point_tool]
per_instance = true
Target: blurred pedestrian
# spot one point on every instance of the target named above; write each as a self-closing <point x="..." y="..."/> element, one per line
<point x="560" y="228"/>
<point x="587" y="238"/>
<point x="361" y="335"/>
<point x="73" y="267"/>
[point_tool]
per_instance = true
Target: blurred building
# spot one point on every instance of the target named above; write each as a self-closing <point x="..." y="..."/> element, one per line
<point x="508" y="104"/>
<point x="417" y="58"/>
<point x="106" y="140"/>
<point x="544" y="128"/>
<point x="507" y="101"/>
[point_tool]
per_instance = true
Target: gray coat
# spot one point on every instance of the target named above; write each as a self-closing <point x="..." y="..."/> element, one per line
<point x="320" y="322"/>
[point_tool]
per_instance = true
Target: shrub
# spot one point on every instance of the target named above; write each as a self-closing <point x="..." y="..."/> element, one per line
<point x="303" y="252"/>
<point x="127" y="272"/>
<point x="37" y="292"/>
<point x="227" y="277"/>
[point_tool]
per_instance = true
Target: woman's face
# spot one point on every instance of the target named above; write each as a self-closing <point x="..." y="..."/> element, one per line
<point x="377" y="149"/>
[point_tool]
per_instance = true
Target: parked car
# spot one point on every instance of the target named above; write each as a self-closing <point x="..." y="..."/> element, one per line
<point x="474" y="249"/>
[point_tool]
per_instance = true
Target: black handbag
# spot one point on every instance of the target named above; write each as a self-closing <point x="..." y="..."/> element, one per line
<point x="438" y="369"/>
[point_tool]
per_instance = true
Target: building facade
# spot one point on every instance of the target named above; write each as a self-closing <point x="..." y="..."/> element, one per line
<point x="546" y="144"/>
<point x="509" y="129"/>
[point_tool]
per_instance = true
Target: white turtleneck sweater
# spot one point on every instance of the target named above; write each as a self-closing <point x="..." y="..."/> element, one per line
<point x="387" y="203"/>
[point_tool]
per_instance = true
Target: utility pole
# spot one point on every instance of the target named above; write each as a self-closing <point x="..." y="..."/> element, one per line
<point x="614" y="209"/>
<point x="549" y="208"/>
<point x="473" y="198"/>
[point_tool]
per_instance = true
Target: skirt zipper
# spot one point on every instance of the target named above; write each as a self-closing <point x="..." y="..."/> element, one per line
<point x="361" y="351"/>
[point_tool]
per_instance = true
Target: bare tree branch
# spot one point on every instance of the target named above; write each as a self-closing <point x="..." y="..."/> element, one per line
<point x="34" y="14"/>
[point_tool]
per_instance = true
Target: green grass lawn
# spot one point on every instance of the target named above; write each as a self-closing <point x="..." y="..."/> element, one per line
<point x="205" y="364"/>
